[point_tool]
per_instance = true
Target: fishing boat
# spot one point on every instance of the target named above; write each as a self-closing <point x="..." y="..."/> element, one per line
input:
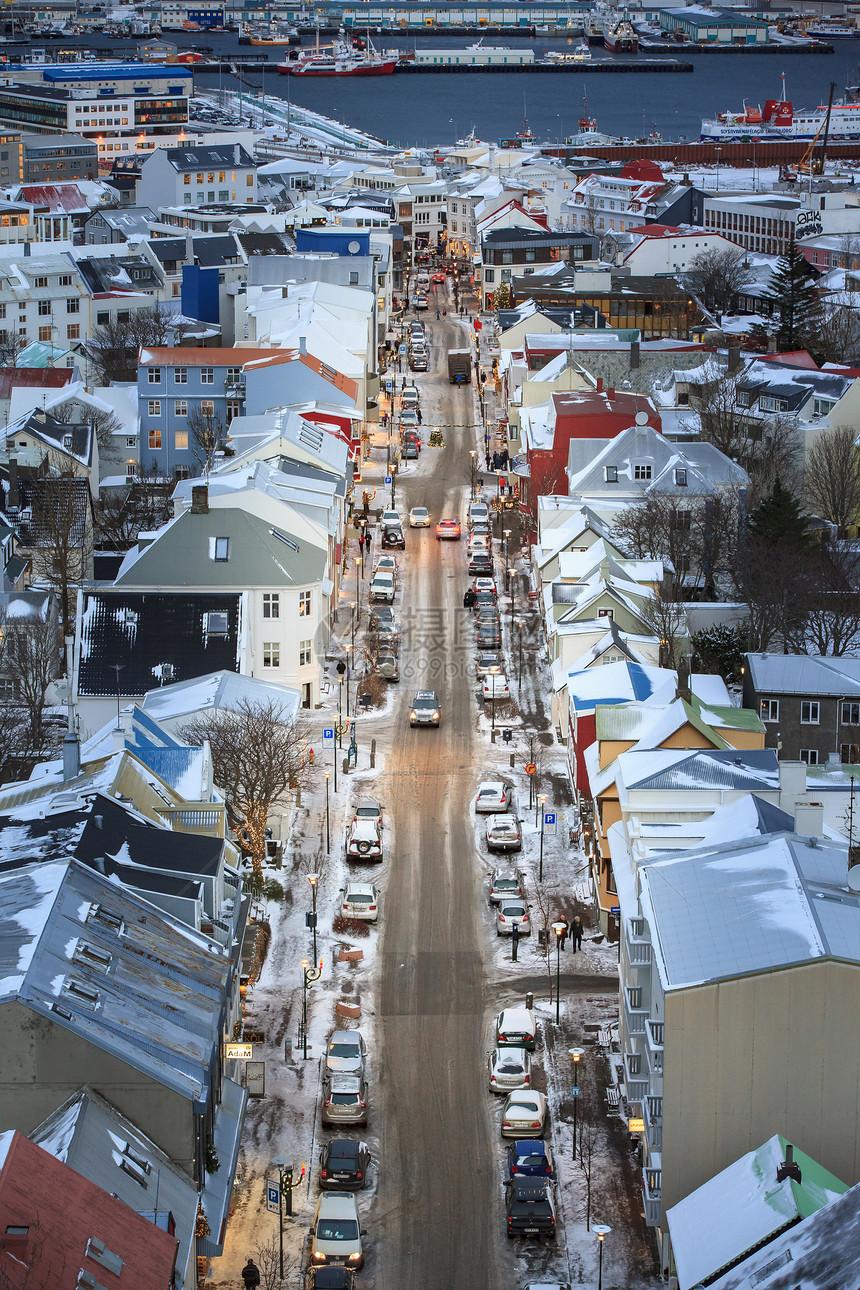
<point x="778" y="120"/>
<point x="273" y="36"/>
<point x="341" y="59"/>
<point x="619" y="34"/>
<point x="564" y="58"/>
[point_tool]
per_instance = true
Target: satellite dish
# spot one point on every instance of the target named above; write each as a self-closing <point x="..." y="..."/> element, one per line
<point x="353" y="247"/>
<point x="642" y="418"/>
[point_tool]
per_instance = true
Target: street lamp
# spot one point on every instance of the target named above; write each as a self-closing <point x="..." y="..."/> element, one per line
<point x="542" y="800"/>
<point x="309" y="975"/>
<point x="576" y="1054"/>
<point x="520" y="640"/>
<point x="327" y="829"/>
<point x="493" y="673"/>
<point x="340" y="710"/>
<point x="473" y="465"/>
<point x="313" y="879"/>
<point x="601" y="1231"/>
<point x="347" y="648"/>
<point x="285" y="1193"/>
<point x="559" y="929"/>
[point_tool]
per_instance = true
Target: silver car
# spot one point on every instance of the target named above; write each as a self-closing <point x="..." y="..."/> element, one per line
<point x="504" y="833"/>
<point x="344" y="1100"/>
<point x="346" y="1053"/>
<point x="511" y="912"/>
<point x="506" y="884"/>
<point x="509" y="1068"/>
<point x="493" y="797"/>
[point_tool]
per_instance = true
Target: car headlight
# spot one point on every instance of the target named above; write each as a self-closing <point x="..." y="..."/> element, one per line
<point x="319" y="1257"/>
<point x="412" y="715"/>
<point x="355" y="1258"/>
<point x="435" y="716"/>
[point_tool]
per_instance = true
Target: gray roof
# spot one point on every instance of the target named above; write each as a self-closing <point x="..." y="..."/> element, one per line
<point x="804" y="674"/>
<point x="129" y="219"/>
<point x="679" y="770"/>
<point x="260" y="555"/>
<point x="753" y="906"/>
<point x="196" y="157"/>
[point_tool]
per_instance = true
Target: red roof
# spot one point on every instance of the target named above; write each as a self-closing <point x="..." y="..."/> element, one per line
<point x="59" y="199"/>
<point x="61" y="1212"/>
<point x="793" y="358"/>
<point x="34" y="378"/>
<point x="647" y="172"/>
<point x="662" y="230"/>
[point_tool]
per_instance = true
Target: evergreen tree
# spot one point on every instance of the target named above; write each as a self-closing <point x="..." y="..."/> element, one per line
<point x="779" y="521"/>
<point x="502" y="296"/>
<point x="797" y="305"/>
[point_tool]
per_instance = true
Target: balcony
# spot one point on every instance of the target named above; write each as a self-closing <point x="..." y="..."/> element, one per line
<point x="234" y="387"/>
<point x="652" y="1114"/>
<point x="207" y="817"/>
<point x="637" y="943"/>
<point x="635" y="1014"/>
<point x="654" y="1046"/>
<point x="652" y="1191"/>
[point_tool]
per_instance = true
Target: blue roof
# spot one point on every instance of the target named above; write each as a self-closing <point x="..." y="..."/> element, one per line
<point x="114" y="72"/>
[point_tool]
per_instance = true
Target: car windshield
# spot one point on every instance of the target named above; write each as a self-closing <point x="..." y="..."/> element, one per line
<point x="343" y="1099"/>
<point x="337" y="1229"/>
<point x="420" y="510"/>
<point x="343" y="1050"/>
<point x="532" y="1161"/>
<point x="506" y="884"/>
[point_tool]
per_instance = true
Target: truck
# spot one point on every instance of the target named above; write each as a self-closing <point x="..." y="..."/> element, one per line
<point x="459" y="366"/>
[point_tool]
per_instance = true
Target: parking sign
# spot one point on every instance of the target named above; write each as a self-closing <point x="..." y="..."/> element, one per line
<point x="550" y="821"/>
<point x="387" y="481"/>
<point x="273" y="1196"/>
<point x="328" y="737"/>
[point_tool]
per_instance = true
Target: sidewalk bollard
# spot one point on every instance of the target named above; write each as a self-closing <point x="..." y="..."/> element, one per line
<point x="372" y="754"/>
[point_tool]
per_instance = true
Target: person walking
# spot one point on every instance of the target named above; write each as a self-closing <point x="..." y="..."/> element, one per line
<point x="251" y="1275"/>
<point x="438" y="314"/>
<point x="563" y="938"/>
<point x="469" y="599"/>
<point x="368" y="538"/>
<point x="576" y="934"/>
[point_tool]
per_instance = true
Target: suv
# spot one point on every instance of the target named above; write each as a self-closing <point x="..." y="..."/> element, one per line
<point x="425" y="709"/>
<point x="529" y="1207"/>
<point x="364" y="841"/>
<point x="344" y="1100"/>
<point x="336" y="1231"/>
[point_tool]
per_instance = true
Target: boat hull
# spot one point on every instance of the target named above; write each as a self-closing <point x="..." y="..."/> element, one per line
<point x="377" y="69"/>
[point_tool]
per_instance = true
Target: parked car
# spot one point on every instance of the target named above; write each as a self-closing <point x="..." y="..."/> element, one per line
<point x="410" y="450"/>
<point x="409" y="397"/>
<point x="506" y="884"/>
<point x="495" y="687"/>
<point x="485" y="584"/>
<point x="425" y="709"/>
<point x="392" y="538"/>
<point x="386" y="564"/>
<point x="419" y="517"/>
<point x="409" y="417"/>
<point x="418" y="362"/>
<point x="382" y="587"/>
<point x="510" y="912"/>
<point x="516" y="1028"/>
<point x="529" y="1208"/>
<point x="331" y="1278"/>
<point x="492" y="797"/>
<point x="485" y="598"/>
<point x="481" y="562"/>
<point x="360" y="900"/>
<point x="344" y="1100"/>
<point x="381" y="615"/>
<point x="386" y="635"/>
<point x="388" y="667"/>
<point x="392" y="517"/>
<point x="486" y="661"/>
<point x="481" y="528"/>
<point x="364" y="840"/>
<point x="524" y="1114"/>
<point x="343" y="1165"/>
<point x="489" y="635"/>
<point x="368" y="809"/>
<point x="478" y="542"/>
<point x="479" y="511"/>
<point x="509" y="1068"/>
<point x="449" y="529"/>
<point x="503" y="833"/>
<point x="336" y="1231"/>
<point x="530" y="1158"/>
<point x="346" y="1052"/>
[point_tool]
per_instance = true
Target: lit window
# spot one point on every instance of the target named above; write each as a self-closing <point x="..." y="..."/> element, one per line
<point x="155" y="439"/>
<point x="73" y="331"/>
<point x="44" y="334"/>
<point x="304" y="604"/>
<point x="769" y="709"/>
<point x="207" y="408"/>
<point x="180" y="440"/>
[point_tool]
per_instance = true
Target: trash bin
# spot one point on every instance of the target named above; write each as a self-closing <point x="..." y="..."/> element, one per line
<point x="543" y="936"/>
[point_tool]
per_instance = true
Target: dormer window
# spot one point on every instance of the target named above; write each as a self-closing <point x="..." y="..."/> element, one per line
<point x="681" y="478"/>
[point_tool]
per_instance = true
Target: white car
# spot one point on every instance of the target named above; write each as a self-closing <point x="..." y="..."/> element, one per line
<point x="386" y="564"/>
<point x="419" y="518"/>
<point x="506" y="885"/>
<point x="524" y="1114"/>
<point x="493" y="796"/>
<point x="509" y="1068"/>
<point x="479" y="511"/>
<point x="503" y="833"/>
<point x="336" y="1231"/>
<point x="516" y="1028"/>
<point x="478" y="542"/>
<point x="360" y="900"/>
<point x="382" y="587"/>
<point x="496" y="686"/>
<point x="364" y="840"/>
<point x="510" y="912"/>
<point x="391" y="519"/>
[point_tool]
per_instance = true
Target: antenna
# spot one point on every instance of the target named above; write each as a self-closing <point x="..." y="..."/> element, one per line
<point x="853" y="848"/>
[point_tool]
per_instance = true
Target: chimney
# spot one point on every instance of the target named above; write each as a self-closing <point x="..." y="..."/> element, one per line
<point x="71" y="756"/>
<point x="734" y="358"/>
<point x="236" y="154"/>
<point x="189" y="247"/>
<point x="303" y="344"/>
<point x="13" y="483"/>
<point x="610" y="393"/>
<point x="789" y="1167"/>
<point x="200" y="499"/>
<point x="98" y="863"/>
<point x="634" y="355"/>
<point x="809" y="819"/>
<point x="117" y="739"/>
<point x="599" y="386"/>
<point x="792" y="784"/>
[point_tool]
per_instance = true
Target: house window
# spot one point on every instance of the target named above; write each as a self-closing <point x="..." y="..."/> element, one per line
<point x="222" y="549"/>
<point x="73" y="331"/>
<point x="822" y="407"/>
<point x="849" y="754"/>
<point x="606" y="613"/>
<point x="207" y="408"/>
<point x="180" y="440"/>
<point x="681" y="478"/>
<point x="234" y="409"/>
<point x="271" y="654"/>
<point x="186" y="179"/>
<point x="180" y="375"/>
<point x="180" y="408"/>
<point x="131" y="442"/>
<point x="45" y="334"/>
<point x="769" y="709"/>
<point x="249" y="181"/>
<point x="743" y="399"/>
<point x="304" y="604"/>
<point x="154" y="375"/>
<point x="207" y="376"/>
<point x="155" y="440"/>
<point x="40" y="282"/>
<point x="641" y="472"/>
<point x="73" y="306"/>
<point x="768" y="404"/>
<point x="155" y="407"/>
<point x="681" y="521"/>
<point x="102" y="319"/>
<point x="234" y="375"/>
<point x="271" y="604"/>
<point x="809" y="712"/>
<point x="809" y="755"/>
<point x="489" y="275"/>
<point x="851" y="714"/>
<point x="611" y="474"/>
<point x="216" y="623"/>
<point x="305" y="654"/>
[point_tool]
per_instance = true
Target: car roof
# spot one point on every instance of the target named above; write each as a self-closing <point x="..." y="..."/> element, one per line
<point x="520" y="1016"/>
<point x="343" y="1083"/>
<point x="345" y="1147"/>
<point x="345" y="1036"/>
<point x="338" y="1204"/>
<point x="530" y="1188"/>
<point x="426" y="694"/>
<point x="503" y="817"/>
<point x="490" y="784"/>
<point x="332" y="1278"/>
<point x="514" y="874"/>
<point x="529" y="1147"/>
<point x="369" y="801"/>
<point x="366" y="887"/>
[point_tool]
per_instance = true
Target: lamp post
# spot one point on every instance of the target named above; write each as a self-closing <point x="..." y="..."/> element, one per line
<point x="601" y="1231"/>
<point x="493" y="673"/>
<point x="559" y="929"/>
<point x="542" y="800"/>
<point x="285" y="1192"/>
<point x="327" y="829"/>
<point x="718" y="151"/>
<point x="309" y="975"/>
<point x="576" y="1054"/>
<point x="313" y="879"/>
<point x="340" y="711"/>
<point x="473" y="466"/>
<point x="347" y="648"/>
<point x="520" y="641"/>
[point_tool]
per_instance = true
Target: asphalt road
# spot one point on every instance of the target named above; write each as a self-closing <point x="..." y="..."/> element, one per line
<point x="437" y="1211"/>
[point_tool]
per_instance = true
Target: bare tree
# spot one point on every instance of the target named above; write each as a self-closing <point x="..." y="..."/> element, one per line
<point x="31" y="659"/>
<point x="765" y="448"/>
<point x="589" y="1138"/>
<point x="258" y="759"/>
<point x="832" y="626"/>
<point x="12" y="345"/>
<point x="115" y="345"/>
<point x="717" y="276"/>
<point x="665" y="616"/>
<point x="832" y="476"/>
<point x="778" y="585"/>
<point x="59" y="534"/>
<point x="121" y="515"/>
<point x="207" y="434"/>
<point x="104" y="422"/>
<point x="659" y="527"/>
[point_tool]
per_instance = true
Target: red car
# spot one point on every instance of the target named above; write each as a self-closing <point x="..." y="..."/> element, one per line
<point x="438" y="277"/>
<point x="448" y="529"/>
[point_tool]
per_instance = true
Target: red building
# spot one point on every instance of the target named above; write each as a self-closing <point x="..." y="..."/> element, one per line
<point x="578" y="414"/>
<point x="60" y="1232"/>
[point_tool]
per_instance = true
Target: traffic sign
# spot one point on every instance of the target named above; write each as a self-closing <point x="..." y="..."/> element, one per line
<point x="531" y="768"/>
<point x="273" y="1196"/>
<point x="615" y="909"/>
<point x="328" y="737"/>
<point x="387" y="481"/>
<point x="574" y="1092"/>
<point x="550" y="819"/>
<point x="402" y="349"/>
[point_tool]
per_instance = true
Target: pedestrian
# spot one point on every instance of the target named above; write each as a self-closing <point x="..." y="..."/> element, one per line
<point x="576" y="934"/>
<point x="384" y="419"/>
<point x="564" y="935"/>
<point x="251" y="1275"/>
<point x="361" y="543"/>
<point x="438" y="315"/>
<point x="444" y="313"/>
<point x="488" y="458"/>
<point x="418" y="415"/>
<point x="469" y="598"/>
<point x="368" y="538"/>
<point x="515" y="941"/>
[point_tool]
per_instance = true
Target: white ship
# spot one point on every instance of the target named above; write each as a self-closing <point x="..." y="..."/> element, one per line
<point x="778" y="120"/>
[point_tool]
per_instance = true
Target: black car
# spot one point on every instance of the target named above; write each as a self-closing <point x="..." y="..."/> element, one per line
<point x="489" y="636"/>
<point x="481" y="563"/>
<point x="343" y="1165"/>
<point x="529" y="1207"/>
<point x="331" y="1278"/>
<point x="393" y="539"/>
<point x="380" y="614"/>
